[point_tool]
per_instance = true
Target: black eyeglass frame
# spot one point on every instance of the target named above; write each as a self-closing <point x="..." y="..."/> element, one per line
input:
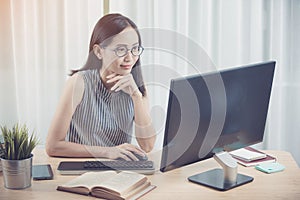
<point x="141" y="49"/>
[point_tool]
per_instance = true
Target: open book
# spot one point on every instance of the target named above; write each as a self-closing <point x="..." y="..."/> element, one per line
<point x="109" y="185"/>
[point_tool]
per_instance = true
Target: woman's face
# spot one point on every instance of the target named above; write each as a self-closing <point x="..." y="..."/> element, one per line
<point x="121" y="44"/>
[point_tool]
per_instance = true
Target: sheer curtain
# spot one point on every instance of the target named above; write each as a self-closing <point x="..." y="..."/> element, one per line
<point x="42" y="39"/>
<point x="233" y="33"/>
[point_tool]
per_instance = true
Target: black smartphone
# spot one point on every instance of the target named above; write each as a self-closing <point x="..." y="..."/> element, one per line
<point x="42" y="172"/>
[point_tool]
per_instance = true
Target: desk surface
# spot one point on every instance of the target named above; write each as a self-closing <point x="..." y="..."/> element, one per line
<point x="174" y="184"/>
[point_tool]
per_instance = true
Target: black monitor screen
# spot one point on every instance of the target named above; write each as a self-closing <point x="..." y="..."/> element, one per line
<point x="219" y="111"/>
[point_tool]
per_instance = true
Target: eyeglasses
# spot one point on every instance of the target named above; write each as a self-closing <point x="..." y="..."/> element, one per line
<point x="123" y="50"/>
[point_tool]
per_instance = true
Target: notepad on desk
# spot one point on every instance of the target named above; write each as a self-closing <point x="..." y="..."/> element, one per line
<point x="109" y="185"/>
<point x="249" y="156"/>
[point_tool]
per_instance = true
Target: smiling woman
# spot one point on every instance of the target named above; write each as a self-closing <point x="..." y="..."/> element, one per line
<point x="101" y="100"/>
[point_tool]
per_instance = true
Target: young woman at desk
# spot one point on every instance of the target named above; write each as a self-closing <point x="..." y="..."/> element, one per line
<point x="102" y="100"/>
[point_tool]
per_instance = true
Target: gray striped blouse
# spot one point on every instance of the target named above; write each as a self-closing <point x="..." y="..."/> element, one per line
<point x="102" y="118"/>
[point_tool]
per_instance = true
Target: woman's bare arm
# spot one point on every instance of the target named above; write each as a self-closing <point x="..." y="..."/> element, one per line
<point x="56" y="144"/>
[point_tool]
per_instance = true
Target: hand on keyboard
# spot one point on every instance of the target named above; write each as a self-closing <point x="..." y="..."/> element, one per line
<point x="126" y="152"/>
<point x="138" y="156"/>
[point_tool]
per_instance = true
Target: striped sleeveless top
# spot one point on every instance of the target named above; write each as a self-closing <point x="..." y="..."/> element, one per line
<point x="102" y="118"/>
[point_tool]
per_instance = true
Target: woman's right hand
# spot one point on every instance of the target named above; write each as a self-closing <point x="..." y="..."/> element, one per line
<point x="124" y="151"/>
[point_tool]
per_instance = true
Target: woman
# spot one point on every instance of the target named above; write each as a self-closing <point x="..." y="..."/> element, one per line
<point x="100" y="101"/>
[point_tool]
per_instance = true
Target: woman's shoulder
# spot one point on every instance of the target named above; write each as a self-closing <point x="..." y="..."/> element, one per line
<point x="89" y="76"/>
<point x="76" y="82"/>
<point x="75" y="79"/>
<point x="88" y="73"/>
<point x="75" y="88"/>
<point x="86" y="78"/>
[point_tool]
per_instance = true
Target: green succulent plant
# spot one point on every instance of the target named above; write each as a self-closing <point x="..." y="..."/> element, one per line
<point x="17" y="145"/>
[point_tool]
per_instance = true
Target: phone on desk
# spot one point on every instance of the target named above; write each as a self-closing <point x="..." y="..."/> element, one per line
<point x="270" y="167"/>
<point x="42" y="172"/>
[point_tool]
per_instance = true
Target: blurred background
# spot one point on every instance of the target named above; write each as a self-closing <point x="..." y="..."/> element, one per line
<point x="41" y="40"/>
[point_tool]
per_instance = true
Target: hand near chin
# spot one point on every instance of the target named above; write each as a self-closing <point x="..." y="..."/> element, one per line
<point x="125" y="83"/>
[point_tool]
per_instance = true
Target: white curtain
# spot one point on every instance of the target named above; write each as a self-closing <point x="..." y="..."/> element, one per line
<point x="232" y="32"/>
<point x="41" y="40"/>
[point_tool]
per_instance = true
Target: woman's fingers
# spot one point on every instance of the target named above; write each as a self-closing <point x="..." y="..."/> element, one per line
<point x="125" y="83"/>
<point x="127" y="155"/>
<point x="111" y="75"/>
<point x="130" y="149"/>
<point x="113" y="78"/>
<point x="119" y="83"/>
<point x="124" y="156"/>
<point x="136" y="150"/>
<point x="131" y="156"/>
<point x="122" y="86"/>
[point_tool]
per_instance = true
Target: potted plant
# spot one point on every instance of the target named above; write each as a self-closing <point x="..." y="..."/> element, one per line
<point x="16" y="159"/>
<point x="1" y="152"/>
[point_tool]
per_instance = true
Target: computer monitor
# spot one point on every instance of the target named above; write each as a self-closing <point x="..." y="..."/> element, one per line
<point x="216" y="112"/>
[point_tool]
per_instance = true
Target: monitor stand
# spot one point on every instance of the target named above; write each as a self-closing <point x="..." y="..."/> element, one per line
<point x="222" y="179"/>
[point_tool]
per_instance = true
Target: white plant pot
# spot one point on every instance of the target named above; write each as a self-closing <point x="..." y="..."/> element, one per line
<point x="17" y="173"/>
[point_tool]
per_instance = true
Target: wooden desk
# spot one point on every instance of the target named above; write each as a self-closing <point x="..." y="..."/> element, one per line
<point x="174" y="184"/>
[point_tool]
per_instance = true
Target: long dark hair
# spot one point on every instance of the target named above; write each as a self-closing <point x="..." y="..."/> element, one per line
<point x="104" y="30"/>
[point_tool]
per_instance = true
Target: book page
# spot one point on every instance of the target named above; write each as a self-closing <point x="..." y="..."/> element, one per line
<point x="137" y="190"/>
<point x="78" y="190"/>
<point x="90" y="179"/>
<point x="104" y="194"/>
<point x="123" y="182"/>
<point x="141" y="193"/>
<point x="134" y="194"/>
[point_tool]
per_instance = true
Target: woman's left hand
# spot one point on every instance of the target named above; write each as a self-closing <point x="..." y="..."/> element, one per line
<point x="125" y="83"/>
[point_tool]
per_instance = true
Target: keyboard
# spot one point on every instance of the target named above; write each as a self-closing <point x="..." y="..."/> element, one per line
<point x="79" y="167"/>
